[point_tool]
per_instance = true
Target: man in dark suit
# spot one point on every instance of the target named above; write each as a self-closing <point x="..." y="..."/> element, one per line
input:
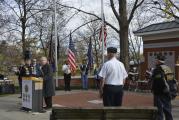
<point x="48" y="82"/>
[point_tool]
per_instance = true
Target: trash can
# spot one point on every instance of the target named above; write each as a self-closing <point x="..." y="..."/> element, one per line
<point x="32" y="93"/>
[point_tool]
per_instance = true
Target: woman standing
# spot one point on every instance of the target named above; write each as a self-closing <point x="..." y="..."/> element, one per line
<point x="48" y="82"/>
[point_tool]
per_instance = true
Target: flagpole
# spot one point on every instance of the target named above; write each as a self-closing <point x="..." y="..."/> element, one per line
<point x="102" y="35"/>
<point x="56" y="60"/>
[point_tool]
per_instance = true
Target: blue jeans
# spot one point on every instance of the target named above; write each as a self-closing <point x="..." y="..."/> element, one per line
<point x="84" y="79"/>
<point x="163" y="103"/>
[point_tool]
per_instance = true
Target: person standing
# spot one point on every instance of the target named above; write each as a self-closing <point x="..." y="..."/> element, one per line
<point x="36" y="68"/>
<point x="97" y="78"/>
<point x="48" y="82"/>
<point x="160" y="90"/>
<point x="20" y="78"/>
<point x="26" y="70"/>
<point x="113" y="75"/>
<point x="84" y="75"/>
<point x="67" y="75"/>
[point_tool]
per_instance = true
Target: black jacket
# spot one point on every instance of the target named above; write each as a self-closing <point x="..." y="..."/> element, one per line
<point x="158" y="81"/>
<point x="26" y="71"/>
<point x="49" y="83"/>
<point x="84" y="69"/>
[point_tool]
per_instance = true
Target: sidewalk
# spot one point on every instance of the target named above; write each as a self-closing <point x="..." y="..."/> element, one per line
<point x="9" y="105"/>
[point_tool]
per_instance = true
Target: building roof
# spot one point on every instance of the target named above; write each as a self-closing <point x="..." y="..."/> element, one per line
<point x="172" y="25"/>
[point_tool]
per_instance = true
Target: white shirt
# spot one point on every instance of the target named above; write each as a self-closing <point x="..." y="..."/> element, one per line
<point x="66" y="69"/>
<point x="113" y="72"/>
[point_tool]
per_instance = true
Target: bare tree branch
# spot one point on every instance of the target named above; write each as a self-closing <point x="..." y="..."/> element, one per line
<point x="174" y="5"/>
<point x="107" y="23"/>
<point x="79" y="27"/>
<point x="12" y="9"/>
<point x="114" y="10"/>
<point x="136" y="5"/>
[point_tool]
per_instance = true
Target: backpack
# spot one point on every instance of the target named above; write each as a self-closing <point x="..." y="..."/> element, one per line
<point x="170" y="81"/>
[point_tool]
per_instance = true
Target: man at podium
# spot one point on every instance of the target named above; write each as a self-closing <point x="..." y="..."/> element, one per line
<point x="48" y="82"/>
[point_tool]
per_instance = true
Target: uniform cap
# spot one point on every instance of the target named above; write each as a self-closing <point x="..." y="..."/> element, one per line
<point x="160" y="58"/>
<point x="112" y="50"/>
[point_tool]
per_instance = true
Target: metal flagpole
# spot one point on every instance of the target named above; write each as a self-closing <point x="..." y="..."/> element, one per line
<point x="102" y="35"/>
<point x="56" y="60"/>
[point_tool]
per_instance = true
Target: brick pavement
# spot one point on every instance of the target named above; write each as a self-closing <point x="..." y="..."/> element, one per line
<point x="82" y="99"/>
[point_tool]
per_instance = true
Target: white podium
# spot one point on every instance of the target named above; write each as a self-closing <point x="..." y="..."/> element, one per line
<point x="32" y="98"/>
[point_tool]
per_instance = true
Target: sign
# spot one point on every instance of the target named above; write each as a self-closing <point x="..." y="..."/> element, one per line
<point x="27" y="94"/>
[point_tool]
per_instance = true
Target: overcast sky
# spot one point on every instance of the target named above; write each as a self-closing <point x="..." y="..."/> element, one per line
<point x="93" y="6"/>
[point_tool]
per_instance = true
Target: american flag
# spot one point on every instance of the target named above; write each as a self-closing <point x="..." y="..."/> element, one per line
<point x="105" y="34"/>
<point x="71" y="55"/>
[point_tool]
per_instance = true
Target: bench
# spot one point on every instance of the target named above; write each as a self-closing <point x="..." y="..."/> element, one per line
<point x="106" y="113"/>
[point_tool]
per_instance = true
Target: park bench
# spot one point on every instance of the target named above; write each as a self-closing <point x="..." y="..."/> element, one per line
<point x="106" y="113"/>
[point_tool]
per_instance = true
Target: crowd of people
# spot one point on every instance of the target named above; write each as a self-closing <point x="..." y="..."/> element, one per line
<point x="110" y="80"/>
<point x="42" y="69"/>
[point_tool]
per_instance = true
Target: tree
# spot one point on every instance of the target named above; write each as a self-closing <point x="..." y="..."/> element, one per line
<point x="166" y="8"/>
<point x="23" y="11"/>
<point x="119" y="9"/>
<point x="92" y="32"/>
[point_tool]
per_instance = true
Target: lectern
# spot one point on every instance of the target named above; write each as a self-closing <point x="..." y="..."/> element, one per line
<point x="32" y="93"/>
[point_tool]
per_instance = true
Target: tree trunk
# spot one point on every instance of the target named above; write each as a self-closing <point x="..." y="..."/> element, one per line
<point x="23" y="37"/>
<point x="23" y="21"/>
<point x="124" y="46"/>
<point x="123" y="34"/>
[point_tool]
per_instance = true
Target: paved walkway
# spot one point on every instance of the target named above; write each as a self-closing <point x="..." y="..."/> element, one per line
<point x="9" y="105"/>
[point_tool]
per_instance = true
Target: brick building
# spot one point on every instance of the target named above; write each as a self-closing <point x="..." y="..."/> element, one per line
<point x="161" y="38"/>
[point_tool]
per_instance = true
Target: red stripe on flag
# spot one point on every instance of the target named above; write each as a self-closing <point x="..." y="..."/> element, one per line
<point x="71" y="60"/>
<point x="105" y="34"/>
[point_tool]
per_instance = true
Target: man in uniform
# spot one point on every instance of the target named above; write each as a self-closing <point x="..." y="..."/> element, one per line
<point x="160" y="89"/>
<point x="36" y="72"/>
<point x="26" y="70"/>
<point x="113" y="75"/>
<point x="84" y="75"/>
<point x="67" y="75"/>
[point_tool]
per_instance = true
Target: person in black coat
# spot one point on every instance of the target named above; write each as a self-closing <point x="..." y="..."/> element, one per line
<point x="160" y="89"/>
<point x="48" y="82"/>
<point x="26" y="70"/>
<point x="20" y="78"/>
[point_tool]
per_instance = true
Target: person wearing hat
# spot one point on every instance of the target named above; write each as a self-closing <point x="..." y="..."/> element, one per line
<point x="160" y="90"/>
<point x="26" y="70"/>
<point x="113" y="74"/>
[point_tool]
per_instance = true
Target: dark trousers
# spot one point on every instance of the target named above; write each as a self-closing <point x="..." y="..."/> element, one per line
<point x="48" y="101"/>
<point x="67" y="80"/>
<point x="163" y="103"/>
<point x="112" y="95"/>
<point x="97" y="81"/>
<point x="20" y="85"/>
